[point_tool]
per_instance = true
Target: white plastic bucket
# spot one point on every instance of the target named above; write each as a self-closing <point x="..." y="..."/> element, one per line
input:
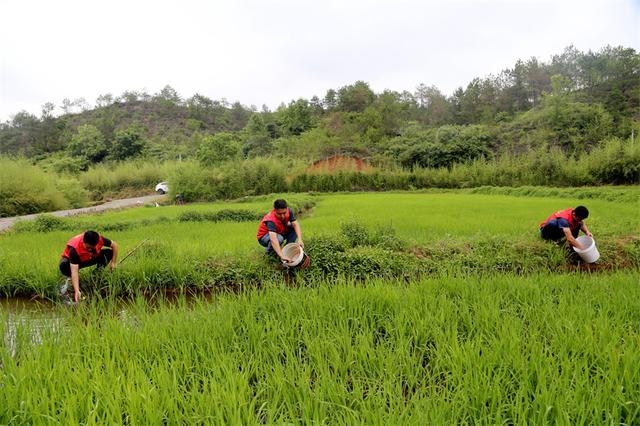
<point x="295" y="252"/>
<point x="589" y="253"/>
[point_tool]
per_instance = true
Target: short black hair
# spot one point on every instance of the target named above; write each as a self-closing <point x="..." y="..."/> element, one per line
<point x="91" y="237"/>
<point x="279" y="204"/>
<point x="581" y="212"/>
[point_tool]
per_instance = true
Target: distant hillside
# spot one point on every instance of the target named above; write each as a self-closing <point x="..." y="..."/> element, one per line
<point x="573" y="102"/>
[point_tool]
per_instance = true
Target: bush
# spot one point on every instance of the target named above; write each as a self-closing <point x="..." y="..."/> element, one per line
<point x="615" y="161"/>
<point x="112" y="178"/>
<point x="225" y="215"/>
<point x="43" y="223"/>
<point x="25" y="189"/>
<point x="73" y="192"/>
<point x="229" y="180"/>
<point x="218" y="148"/>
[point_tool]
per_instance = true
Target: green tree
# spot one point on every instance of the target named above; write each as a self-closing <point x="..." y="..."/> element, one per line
<point x="218" y="148"/>
<point x="169" y="95"/>
<point x="50" y="130"/>
<point x="238" y="116"/>
<point x="434" y="108"/>
<point x="21" y="134"/>
<point x="127" y="143"/>
<point x="297" y="117"/>
<point x="330" y="100"/>
<point x="355" y="97"/>
<point x="257" y="136"/>
<point x="88" y="144"/>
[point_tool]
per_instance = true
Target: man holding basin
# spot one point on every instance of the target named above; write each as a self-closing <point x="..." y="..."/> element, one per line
<point x="278" y="226"/>
<point x="566" y="224"/>
<point x="81" y="251"/>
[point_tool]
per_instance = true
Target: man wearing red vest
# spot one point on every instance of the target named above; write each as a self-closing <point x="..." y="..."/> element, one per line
<point x="86" y="249"/>
<point x="277" y="226"/>
<point x="566" y="224"/>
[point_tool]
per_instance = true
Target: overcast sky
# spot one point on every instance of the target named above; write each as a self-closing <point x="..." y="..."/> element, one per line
<point x="273" y="51"/>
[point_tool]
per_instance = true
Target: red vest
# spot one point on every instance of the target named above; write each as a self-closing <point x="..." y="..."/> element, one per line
<point x="85" y="255"/>
<point x="563" y="214"/>
<point x="281" y="226"/>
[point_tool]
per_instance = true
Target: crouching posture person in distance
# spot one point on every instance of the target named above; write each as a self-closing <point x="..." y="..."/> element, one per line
<point x="566" y="224"/>
<point x="86" y="249"/>
<point x="278" y="226"/>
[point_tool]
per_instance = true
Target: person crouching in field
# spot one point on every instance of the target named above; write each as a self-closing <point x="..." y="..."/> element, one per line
<point x="86" y="249"/>
<point x="277" y="226"/>
<point x="566" y="224"/>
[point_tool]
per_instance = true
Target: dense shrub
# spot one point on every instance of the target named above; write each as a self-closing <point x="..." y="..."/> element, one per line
<point x="227" y="215"/>
<point x="218" y="148"/>
<point x="229" y="180"/>
<point x="25" y="189"/>
<point x="114" y="177"/>
<point x="88" y="144"/>
<point x="73" y="192"/>
<point x="63" y="164"/>
<point x="442" y="147"/>
<point x="615" y="162"/>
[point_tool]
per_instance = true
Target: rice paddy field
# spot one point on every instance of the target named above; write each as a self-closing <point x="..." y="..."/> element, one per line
<point x="418" y="308"/>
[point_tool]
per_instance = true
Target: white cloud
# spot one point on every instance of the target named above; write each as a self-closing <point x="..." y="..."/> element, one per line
<point x="275" y="51"/>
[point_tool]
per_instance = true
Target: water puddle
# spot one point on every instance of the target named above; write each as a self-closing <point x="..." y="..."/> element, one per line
<point x="27" y="319"/>
<point x="24" y="321"/>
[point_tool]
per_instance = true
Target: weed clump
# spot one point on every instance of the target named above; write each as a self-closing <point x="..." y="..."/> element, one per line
<point x="225" y="215"/>
<point x="42" y="223"/>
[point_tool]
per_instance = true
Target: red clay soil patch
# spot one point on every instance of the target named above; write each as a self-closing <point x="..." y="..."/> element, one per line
<point x="340" y="163"/>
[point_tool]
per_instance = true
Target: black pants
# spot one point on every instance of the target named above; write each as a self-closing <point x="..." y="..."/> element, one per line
<point x="105" y="257"/>
<point x="551" y="231"/>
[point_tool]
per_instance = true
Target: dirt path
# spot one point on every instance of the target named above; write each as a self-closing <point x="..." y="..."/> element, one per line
<point x="7" y="222"/>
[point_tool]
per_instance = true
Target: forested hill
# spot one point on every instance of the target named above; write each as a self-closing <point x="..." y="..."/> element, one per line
<point x="573" y="101"/>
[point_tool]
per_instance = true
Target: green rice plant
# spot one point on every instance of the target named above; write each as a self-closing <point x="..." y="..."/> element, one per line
<point x="545" y="348"/>
<point x="628" y="194"/>
<point x="348" y="235"/>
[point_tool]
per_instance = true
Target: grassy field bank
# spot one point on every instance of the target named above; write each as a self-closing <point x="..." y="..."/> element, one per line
<point x="402" y="235"/>
<point x="499" y="349"/>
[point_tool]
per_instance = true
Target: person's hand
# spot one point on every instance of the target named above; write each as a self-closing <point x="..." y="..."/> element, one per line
<point x="112" y="266"/>
<point x="589" y="234"/>
<point x="301" y="244"/>
<point x="76" y="296"/>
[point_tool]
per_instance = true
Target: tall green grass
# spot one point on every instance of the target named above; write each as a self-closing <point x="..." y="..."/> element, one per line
<point x="131" y="177"/>
<point x="359" y="236"/>
<point x="230" y="180"/>
<point x="614" y="162"/>
<point x="25" y="189"/>
<point x="542" y="349"/>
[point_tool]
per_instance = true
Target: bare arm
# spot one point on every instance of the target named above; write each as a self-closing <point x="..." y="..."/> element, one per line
<point x="114" y="259"/>
<point x="275" y="245"/>
<point x="586" y="230"/>
<point x="75" y="281"/>
<point x="296" y="227"/>
<point x="572" y="241"/>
